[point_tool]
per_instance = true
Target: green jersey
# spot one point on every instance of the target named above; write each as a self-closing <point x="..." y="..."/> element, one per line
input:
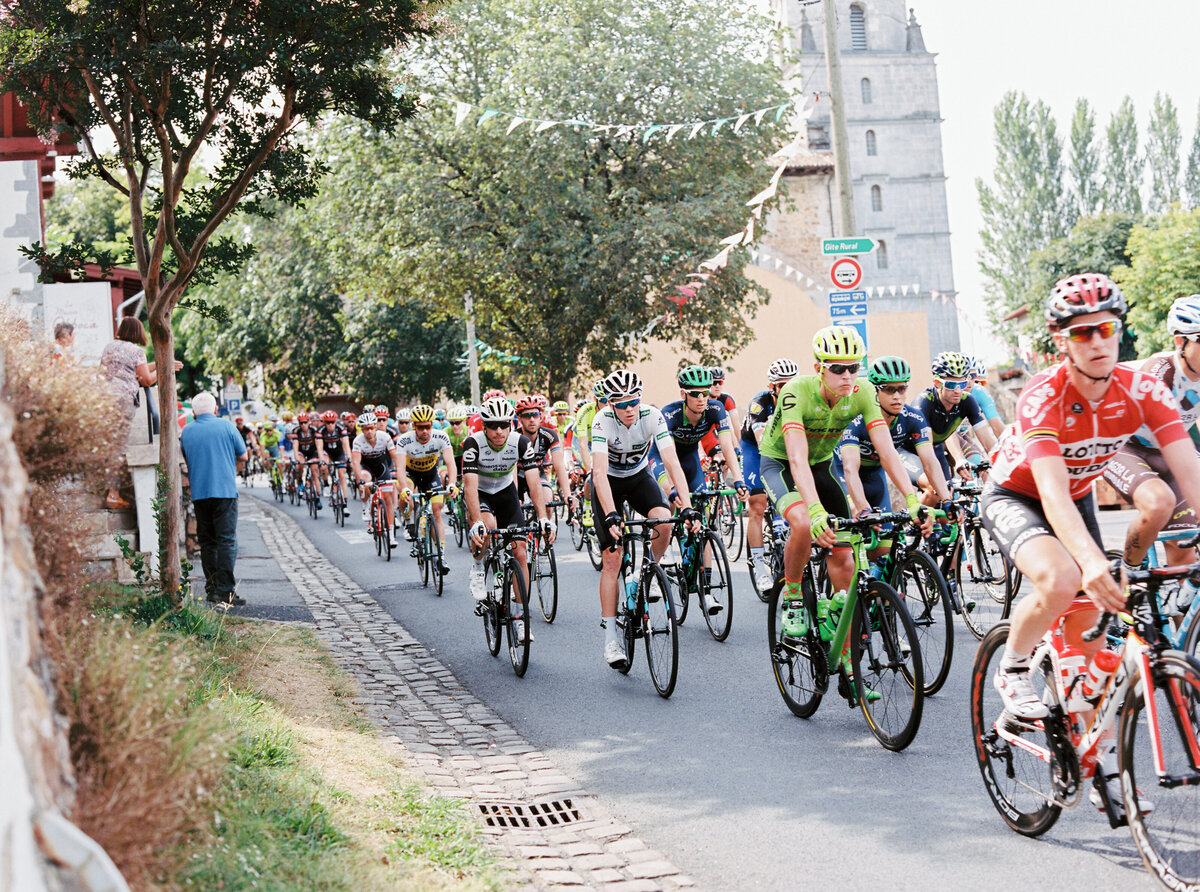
<point x="583" y="421"/>
<point x="456" y="440"/>
<point x="269" y="438"/>
<point x="801" y="407"/>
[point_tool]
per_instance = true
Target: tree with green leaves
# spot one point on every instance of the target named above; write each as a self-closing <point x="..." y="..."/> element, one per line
<point x="1122" y="164"/>
<point x="1164" y="264"/>
<point x="167" y="83"/>
<point x="1084" y="166"/>
<point x="1191" y="176"/>
<point x="1025" y="208"/>
<point x="570" y="238"/>
<point x="1162" y="154"/>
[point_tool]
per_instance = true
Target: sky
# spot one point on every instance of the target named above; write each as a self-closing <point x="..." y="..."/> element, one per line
<point x="1057" y="51"/>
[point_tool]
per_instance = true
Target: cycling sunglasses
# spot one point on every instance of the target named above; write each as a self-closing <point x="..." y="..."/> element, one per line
<point x="533" y="414"/>
<point x="697" y="393"/>
<point x="956" y="385"/>
<point x="423" y="427"/>
<point x="628" y="404"/>
<point x="894" y="388"/>
<point x="841" y="368"/>
<point x="1081" y="334"/>
<point x="497" y="425"/>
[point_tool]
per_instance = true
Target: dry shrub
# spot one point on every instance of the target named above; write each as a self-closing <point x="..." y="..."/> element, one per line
<point x="147" y="749"/>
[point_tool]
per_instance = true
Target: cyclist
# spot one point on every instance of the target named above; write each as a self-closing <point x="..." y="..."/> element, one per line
<point x="439" y="420"/>
<point x="584" y="419"/>
<point x="796" y="464"/>
<point x="383" y="422"/>
<point x="373" y="456"/>
<point x="457" y="434"/>
<point x="335" y="440"/>
<point x="762" y="406"/>
<point x="249" y="437"/>
<point x="944" y="406"/>
<point x="422" y="448"/>
<point x="717" y="392"/>
<point x="987" y="403"/>
<point x="620" y="444"/>
<point x="474" y="423"/>
<point x="564" y="423"/>
<point x="403" y="420"/>
<point x="861" y="468"/>
<point x="489" y="458"/>
<point x="547" y="451"/>
<point x="308" y="452"/>
<point x="1138" y="471"/>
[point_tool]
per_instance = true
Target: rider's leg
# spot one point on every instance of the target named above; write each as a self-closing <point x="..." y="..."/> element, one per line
<point x="1155" y="503"/>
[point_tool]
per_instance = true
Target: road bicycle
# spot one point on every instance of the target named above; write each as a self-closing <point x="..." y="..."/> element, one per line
<point x="427" y="544"/>
<point x="275" y="478"/>
<point x="291" y="477"/>
<point x="455" y="512"/>
<point x="885" y="675"/>
<point x="645" y="607"/>
<point x="377" y="521"/>
<point x="337" y="495"/>
<point x="505" y="592"/>
<point x="583" y="535"/>
<point x="703" y="568"/>
<point x="311" y="488"/>
<point x="729" y="512"/>
<point x="1033" y="769"/>
<point x="542" y="565"/>
<point x="775" y="536"/>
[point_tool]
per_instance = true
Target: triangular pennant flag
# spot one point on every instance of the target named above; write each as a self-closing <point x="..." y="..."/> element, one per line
<point x="753" y="256"/>
<point x="809" y="282"/>
<point x="870" y="289"/>
<point x="782" y="109"/>
<point x="806" y="112"/>
<point x="778" y="173"/>
<point x="778" y="263"/>
<point x="758" y="115"/>
<point x="684" y="289"/>
<point x="749" y="230"/>
<point x="904" y="291"/>
<point x="696" y="129"/>
<point x="488" y="113"/>
<point x="892" y="289"/>
<point x="765" y="195"/>
<point x="740" y="121"/>
<point x="462" y="109"/>
<point x="516" y="122"/>
<point x="675" y="128"/>
<point x="792" y="272"/>
<point x="602" y="128"/>
<point x="733" y="239"/>
<point x="650" y="131"/>
<point x="916" y="289"/>
<point x="757" y="212"/>
<point x="545" y="125"/>
<point x="717" y="126"/>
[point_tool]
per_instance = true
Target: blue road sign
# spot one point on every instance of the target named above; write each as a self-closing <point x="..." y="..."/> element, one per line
<point x="849" y="308"/>
<point x="235" y="405"/>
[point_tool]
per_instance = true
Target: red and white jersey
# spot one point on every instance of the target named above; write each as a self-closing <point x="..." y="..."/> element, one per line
<point x="1053" y="418"/>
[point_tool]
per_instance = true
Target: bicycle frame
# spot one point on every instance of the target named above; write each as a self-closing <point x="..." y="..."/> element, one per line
<point x="1175" y="637"/>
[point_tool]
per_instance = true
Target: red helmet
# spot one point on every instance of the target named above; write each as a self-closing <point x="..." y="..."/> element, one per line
<point x="542" y="401"/>
<point x="348" y="416"/>
<point x="382" y="412"/>
<point x="329" y="416"/>
<point x="301" y="417"/>
<point x="1080" y="295"/>
<point x="238" y="420"/>
<point x="525" y="403"/>
<point x="492" y="393"/>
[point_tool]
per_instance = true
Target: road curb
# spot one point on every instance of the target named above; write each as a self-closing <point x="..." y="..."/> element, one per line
<point x="557" y="834"/>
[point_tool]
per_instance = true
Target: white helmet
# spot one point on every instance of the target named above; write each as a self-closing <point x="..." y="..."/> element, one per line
<point x="472" y="409"/>
<point x="366" y="420"/>
<point x="1184" y="316"/>
<point x="782" y="370"/>
<point x="404" y="415"/>
<point x="498" y="408"/>
<point x="622" y="382"/>
<point x="978" y="367"/>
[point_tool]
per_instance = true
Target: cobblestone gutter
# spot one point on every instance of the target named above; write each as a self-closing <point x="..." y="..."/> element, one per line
<point x="558" y="835"/>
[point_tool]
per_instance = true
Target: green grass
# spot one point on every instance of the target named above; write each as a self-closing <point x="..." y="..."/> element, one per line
<point x="435" y="829"/>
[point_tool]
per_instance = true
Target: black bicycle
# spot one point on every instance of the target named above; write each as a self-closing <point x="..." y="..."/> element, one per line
<point x="505" y="607"/>
<point x="645" y="608"/>
<point x="543" y="567"/>
<point x="337" y="495"/>
<point x="704" y="568"/>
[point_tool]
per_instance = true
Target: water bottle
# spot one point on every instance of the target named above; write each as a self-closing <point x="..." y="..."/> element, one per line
<point x="879" y="568"/>
<point x="631" y="594"/>
<point x="1187" y="594"/>
<point x="833" y="614"/>
<point x="1072" y="665"/>
<point x="1087" y="693"/>
<point x="779" y="526"/>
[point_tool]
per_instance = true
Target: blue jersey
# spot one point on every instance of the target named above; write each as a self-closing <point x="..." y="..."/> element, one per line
<point x="684" y="433"/>
<point x="943" y="422"/>
<point x="987" y="404"/>
<point x="908" y="430"/>
<point x="759" y="413"/>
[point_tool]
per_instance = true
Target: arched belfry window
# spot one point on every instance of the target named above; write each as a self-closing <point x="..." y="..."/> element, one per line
<point x="881" y="258"/>
<point x="871" y="150"/>
<point x="866" y="91"/>
<point x="858" y="28"/>
<point x="876" y="198"/>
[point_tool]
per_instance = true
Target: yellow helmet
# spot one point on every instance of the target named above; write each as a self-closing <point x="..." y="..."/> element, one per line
<point x="422" y="415"/>
<point x="838" y="343"/>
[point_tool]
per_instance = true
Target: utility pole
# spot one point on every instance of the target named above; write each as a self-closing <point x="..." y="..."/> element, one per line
<point x="841" y="145"/>
<point x="472" y="353"/>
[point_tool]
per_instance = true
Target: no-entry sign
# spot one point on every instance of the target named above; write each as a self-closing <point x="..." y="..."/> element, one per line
<point x="846" y="273"/>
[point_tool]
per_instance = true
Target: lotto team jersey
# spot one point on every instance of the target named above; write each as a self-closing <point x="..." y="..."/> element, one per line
<point x="801" y="407"/>
<point x="757" y="416"/>
<point x="942" y="421"/>
<point x="422" y="457"/>
<point x="627" y="448"/>
<point x="908" y="430"/>
<point x="1166" y="368"/>
<point x="1054" y="419"/>
<point x="494" y="467"/>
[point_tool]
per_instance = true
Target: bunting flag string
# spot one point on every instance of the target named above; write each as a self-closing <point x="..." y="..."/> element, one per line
<point x="964" y="318"/>
<point x="463" y="111"/>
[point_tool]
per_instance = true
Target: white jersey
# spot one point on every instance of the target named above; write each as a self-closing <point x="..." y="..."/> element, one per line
<point x="494" y="467"/>
<point x="1167" y="368"/>
<point x="383" y="445"/>
<point x="628" y="448"/>
<point x="422" y="457"/>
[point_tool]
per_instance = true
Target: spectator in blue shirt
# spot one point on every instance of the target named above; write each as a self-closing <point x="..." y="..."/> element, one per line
<point x="214" y="451"/>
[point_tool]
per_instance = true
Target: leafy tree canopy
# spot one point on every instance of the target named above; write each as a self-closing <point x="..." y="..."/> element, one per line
<point x="1164" y="264"/>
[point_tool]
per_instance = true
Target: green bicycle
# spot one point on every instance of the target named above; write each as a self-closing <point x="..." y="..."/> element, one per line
<point x="885" y="675"/>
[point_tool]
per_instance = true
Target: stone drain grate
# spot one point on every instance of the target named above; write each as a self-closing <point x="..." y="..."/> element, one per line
<point x="529" y="815"/>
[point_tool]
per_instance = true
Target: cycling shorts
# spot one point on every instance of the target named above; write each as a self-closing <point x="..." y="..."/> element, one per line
<point x="912" y="466"/>
<point x="781" y="488"/>
<point x="379" y="469"/>
<point x="750" y="468"/>
<point x="1013" y="519"/>
<point x="273" y="451"/>
<point x="1133" y="465"/>
<point x="503" y="505"/>
<point x="424" y="481"/>
<point x="641" y="492"/>
<point x="523" y="487"/>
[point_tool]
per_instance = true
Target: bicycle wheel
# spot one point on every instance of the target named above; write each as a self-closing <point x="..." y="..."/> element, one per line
<point x="733" y="531"/>
<point x="434" y="555"/>
<point x="1020" y="785"/>
<point x="383" y="531"/>
<point x="490" y="608"/>
<point x="544" y="573"/>
<point x="685" y="573"/>
<point x="662" y="637"/>
<point x="514" y="590"/>
<point x="927" y="598"/>
<point x="460" y="526"/>
<point x="985" y="585"/>
<point x="716" y="586"/>
<point x="576" y="524"/>
<point x="799" y="664"/>
<point x="1168" y="838"/>
<point x="373" y="528"/>
<point x="593" y="549"/>
<point x="889" y="677"/>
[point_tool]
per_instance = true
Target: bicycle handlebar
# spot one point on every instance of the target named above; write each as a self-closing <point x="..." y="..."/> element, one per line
<point x="868" y="520"/>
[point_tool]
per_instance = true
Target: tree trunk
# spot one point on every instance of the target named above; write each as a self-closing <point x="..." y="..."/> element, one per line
<point x="171" y="518"/>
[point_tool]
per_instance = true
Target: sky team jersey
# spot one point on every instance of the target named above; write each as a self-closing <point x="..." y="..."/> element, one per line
<point x="1165" y="367"/>
<point x="373" y="455"/>
<point x="494" y="467"/>
<point x="757" y="416"/>
<point x="801" y="407"/>
<point x="1054" y="419"/>
<point x="942" y="421"/>
<point x="908" y="430"/>
<point x="422" y="457"/>
<point x="627" y="448"/>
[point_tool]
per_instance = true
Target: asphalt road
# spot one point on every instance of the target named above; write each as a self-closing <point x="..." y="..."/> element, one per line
<point x="722" y="778"/>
